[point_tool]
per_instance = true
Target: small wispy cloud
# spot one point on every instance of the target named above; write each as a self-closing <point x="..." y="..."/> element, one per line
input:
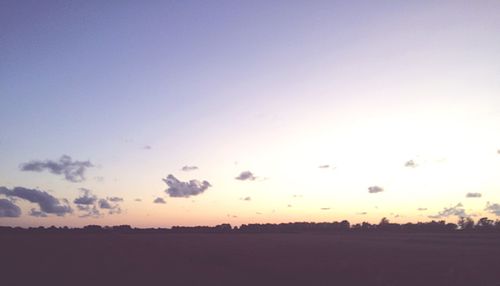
<point x="246" y="176"/>
<point x="37" y="213"/>
<point x="159" y="201"/>
<point x="89" y="211"/>
<point x="375" y="189"/>
<point x="410" y="164"/>
<point x="112" y="208"/>
<point x="421" y="209"/>
<point x="86" y="199"/>
<point x="104" y="204"/>
<point x="473" y="195"/>
<point x="91" y="205"/>
<point x="73" y="171"/>
<point x="115" y="199"/>
<point x="247" y="199"/>
<point x="189" y="168"/>
<point x="457" y="210"/>
<point x="493" y="208"/>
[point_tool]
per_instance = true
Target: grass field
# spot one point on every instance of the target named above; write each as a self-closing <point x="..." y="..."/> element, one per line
<point x="250" y="259"/>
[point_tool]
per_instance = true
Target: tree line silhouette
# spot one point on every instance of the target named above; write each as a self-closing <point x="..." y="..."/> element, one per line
<point x="463" y="225"/>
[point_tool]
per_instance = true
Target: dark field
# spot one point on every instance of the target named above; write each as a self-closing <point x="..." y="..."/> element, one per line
<point x="250" y="259"/>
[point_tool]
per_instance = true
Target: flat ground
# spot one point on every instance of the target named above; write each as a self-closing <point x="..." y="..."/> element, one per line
<point x="250" y="259"/>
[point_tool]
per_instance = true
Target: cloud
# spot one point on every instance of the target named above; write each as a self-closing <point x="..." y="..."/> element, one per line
<point x="90" y="204"/>
<point x="86" y="199"/>
<point x="138" y="200"/>
<point x="91" y="211"/>
<point x="493" y="208"/>
<point x="375" y="189"/>
<point x="83" y="207"/>
<point x="181" y="189"/>
<point x="325" y="209"/>
<point x="37" y="213"/>
<point x="87" y="203"/>
<point x="247" y="199"/>
<point x="473" y="195"/>
<point x="106" y="205"/>
<point x="456" y="210"/>
<point x="73" y="171"/>
<point x="324" y="166"/>
<point x="9" y="209"/>
<point x="189" y="168"/>
<point x="147" y="147"/>
<point x="159" y="201"/>
<point x="421" y="209"/>
<point x="410" y="164"/>
<point x="246" y="176"/>
<point x="47" y="203"/>
<point x="115" y="199"/>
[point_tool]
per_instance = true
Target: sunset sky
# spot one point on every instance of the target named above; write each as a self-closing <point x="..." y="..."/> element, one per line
<point x="163" y="113"/>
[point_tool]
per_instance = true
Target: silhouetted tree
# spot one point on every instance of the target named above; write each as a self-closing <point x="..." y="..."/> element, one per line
<point x="124" y="228"/>
<point x="367" y="226"/>
<point x="225" y="227"/>
<point x="485" y="224"/>
<point x="497" y="225"/>
<point x="92" y="228"/>
<point x="466" y="223"/>
<point x="451" y="227"/>
<point x="345" y="225"/>
<point x="383" y="221"/>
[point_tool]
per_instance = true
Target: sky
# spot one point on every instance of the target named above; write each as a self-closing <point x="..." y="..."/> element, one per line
<point x="164" y="113"/>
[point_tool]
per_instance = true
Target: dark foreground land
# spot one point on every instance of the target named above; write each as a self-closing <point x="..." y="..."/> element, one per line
<point x="471" y="259"/>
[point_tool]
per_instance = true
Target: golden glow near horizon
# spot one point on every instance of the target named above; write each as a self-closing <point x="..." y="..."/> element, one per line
<point x="452" y="153"/>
